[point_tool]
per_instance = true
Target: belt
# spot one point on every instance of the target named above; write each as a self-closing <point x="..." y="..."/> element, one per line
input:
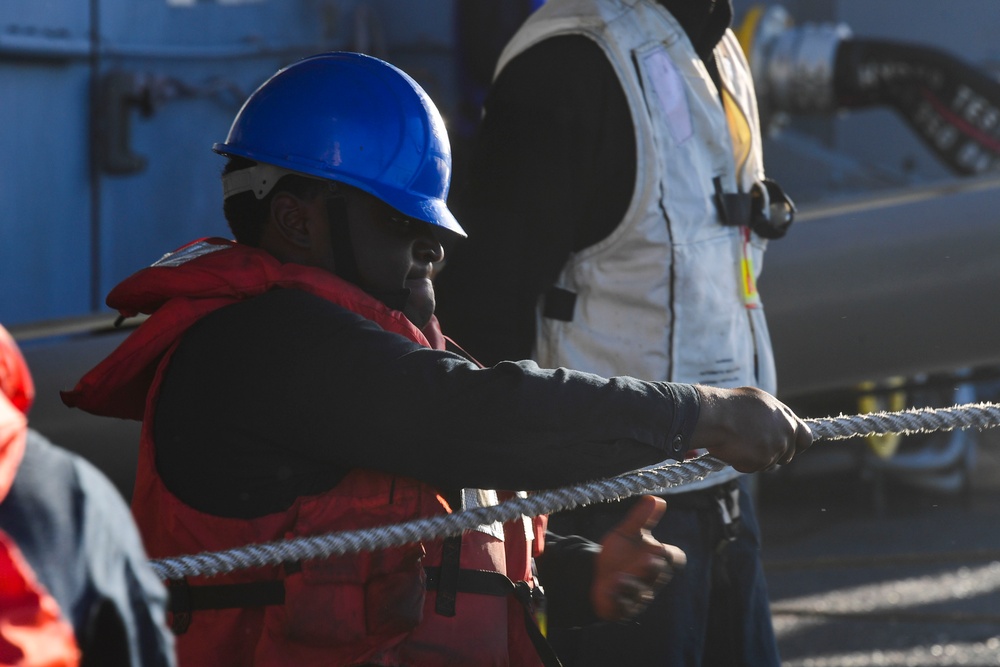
<point x="185" y="599"/>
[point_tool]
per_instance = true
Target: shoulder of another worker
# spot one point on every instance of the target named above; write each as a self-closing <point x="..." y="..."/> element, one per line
<point x="551" y="67"/>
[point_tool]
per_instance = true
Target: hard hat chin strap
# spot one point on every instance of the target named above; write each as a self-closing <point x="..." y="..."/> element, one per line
<point x="345" y="263"/>
<point x="344" y="257"/>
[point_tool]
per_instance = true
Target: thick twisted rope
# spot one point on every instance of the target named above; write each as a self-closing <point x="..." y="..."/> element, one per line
<point x="907" y="422"/>
<point x="647" y="480"/>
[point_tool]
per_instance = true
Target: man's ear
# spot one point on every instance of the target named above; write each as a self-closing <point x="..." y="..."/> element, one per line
<point x="290" y="215"/>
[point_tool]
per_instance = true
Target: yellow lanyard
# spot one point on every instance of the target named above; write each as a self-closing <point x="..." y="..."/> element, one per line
<point x="739" y="130"/>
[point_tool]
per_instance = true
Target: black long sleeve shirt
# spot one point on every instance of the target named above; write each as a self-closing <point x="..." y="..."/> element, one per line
<point x="282" y="394"/>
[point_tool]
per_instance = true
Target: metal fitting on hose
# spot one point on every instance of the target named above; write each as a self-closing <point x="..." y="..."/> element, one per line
<point x="793" y="66"/>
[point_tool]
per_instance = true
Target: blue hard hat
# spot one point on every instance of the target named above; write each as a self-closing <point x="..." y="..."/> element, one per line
<point x="350" y="118"/>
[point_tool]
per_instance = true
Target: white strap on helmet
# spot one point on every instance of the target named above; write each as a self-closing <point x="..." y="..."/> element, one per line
<point x="259" y="179"/>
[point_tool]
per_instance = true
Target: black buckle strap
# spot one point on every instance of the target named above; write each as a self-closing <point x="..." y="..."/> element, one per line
<point x="448" y="575"/>
<point x="766" y="209"/>
<point x="486" y="582"/>
<point x="727" y="499"/>
<point x="226" y="596"/>
<point x="185" y="599"/>
<point x="483" y="582"/>
<point x="525" y="595"/>
<point x="559" y="304"/>
<point x="734" y="208"/>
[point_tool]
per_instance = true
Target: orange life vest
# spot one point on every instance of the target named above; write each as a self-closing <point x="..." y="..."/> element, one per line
<point x="396" y="606"/>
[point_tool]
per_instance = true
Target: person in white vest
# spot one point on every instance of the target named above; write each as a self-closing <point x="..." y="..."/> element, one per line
<point x="618" y="214"/>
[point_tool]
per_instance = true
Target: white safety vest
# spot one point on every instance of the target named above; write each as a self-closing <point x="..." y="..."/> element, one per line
<point x="671" y="293"/>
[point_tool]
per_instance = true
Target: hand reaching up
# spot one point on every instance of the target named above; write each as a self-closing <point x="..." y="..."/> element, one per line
<point x="632" y="565"/>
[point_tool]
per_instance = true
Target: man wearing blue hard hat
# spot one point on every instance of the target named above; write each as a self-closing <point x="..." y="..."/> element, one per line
<point x="295" y="381"/>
